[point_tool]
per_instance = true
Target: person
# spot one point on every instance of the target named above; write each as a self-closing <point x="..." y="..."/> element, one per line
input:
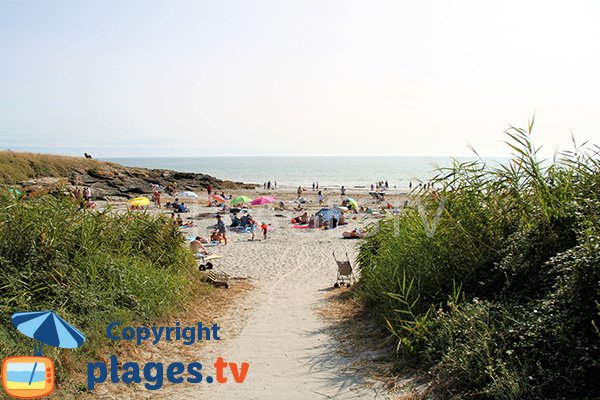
<point x="179" y="220"/>
<point x="221" y="229"/>
<point x="252" y="225"/>
<point x="317" y="186"/>
<point x="197" y="247"/>
<point x="87" y="193"/>
<point x="235" y="221"/>
<point x="265" y="230"/>
<point x="156" y="198"/>
<point x="209" y="189"/>
<point x="410" y="185"/>
<point x="299" y="207"/>
<point x="269" y="185"/>
<point x="182" y="208"/>
<point x="275" y="186"/>
<point x="343" y="191"/>
<point x="320" y="197"/>
<point x="299" y="191"/>
<point x="313" y="186"/>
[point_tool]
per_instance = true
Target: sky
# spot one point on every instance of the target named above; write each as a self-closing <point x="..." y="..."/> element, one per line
<point x="276" y="77"/>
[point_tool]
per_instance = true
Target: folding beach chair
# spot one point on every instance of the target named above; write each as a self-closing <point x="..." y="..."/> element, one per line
<point x="344" y="272"/>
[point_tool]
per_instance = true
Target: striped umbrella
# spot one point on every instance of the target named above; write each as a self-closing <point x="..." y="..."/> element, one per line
<point x="48" y="328"/>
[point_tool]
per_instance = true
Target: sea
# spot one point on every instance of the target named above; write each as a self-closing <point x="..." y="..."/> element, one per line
<point x="290" y="172"/>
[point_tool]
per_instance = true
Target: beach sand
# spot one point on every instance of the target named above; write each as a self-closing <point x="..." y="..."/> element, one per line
<point x="276" y="327"/>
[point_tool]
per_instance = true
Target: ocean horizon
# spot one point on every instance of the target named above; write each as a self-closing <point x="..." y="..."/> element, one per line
<point x="349" y="171"/>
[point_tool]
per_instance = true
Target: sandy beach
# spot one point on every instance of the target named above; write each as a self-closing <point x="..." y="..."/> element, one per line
<point x="276" y="327"/>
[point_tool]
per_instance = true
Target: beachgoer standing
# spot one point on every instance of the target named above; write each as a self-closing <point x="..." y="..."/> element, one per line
<point x="343" y="191"/>
<point x="209" y="189"/>
<point x="317" y="186"/>
<point x="299" y="191"/>
<point x="156" y="199"/>
<point x="320" y="197"/>
<point x="221" y="229"/>
<point x="313" y="186"/>
<point x="269" y="185"/>
<point x="275" y="185"/>
<point x="264" y="229"/>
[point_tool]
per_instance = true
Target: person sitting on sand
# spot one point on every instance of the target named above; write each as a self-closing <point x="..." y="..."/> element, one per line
<point x="221" y="229"/>
<point x="179" y="220"/>
<point x="281" y="206"/>
<point x="299" y="207"/>
<point x="235" y="221"/>
<point x="320" y="197"/>
<point x="197" y="247"/>
<point x="182" y="208"/>
<point x="301" y="219"/>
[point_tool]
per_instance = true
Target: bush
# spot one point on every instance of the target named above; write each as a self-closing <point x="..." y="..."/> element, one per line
<point x="91" y="267"/>
<point x="501" y="299"/>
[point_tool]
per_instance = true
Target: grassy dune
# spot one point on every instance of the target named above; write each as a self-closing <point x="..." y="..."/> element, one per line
<point x="498" y="297"/>
<point x="16" y="167"/>
<point x="91" y="267"/>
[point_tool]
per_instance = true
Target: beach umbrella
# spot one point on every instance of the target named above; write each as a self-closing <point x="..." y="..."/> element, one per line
<point x="218" y="199"/>
<point x="188" y="194"/>
<point x="139" y="201"/>
<point x="48" y="328"/>
<point x="259" y="201"/>
<point x="240" y="200"/>
<point x="352" y="203"/>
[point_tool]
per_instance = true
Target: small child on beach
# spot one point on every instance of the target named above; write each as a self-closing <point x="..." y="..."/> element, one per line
<point x="264" y="229"/>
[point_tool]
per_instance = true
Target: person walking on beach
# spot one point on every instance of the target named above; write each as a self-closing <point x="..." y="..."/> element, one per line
<point x="320" y="197"/>
<point x="313" y="186"/>
<point x="342" y="191"/>
<point x="317" y="186"/>
<point x="299" y="191"/>
<point x="275" y="186"/>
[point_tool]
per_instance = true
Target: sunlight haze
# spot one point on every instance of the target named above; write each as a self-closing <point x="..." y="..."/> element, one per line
<point x="195" y="78"/>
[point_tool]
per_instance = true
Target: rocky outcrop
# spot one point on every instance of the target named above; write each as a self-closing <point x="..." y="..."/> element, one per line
<point x="110" y="181"/>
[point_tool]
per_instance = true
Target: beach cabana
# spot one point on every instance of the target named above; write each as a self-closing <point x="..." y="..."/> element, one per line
<point x="328" y="213"/>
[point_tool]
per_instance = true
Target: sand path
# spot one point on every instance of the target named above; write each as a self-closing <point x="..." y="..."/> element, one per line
<point x="275" y="328"/>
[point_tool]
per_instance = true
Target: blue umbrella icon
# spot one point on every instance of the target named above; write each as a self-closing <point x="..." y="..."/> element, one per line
<point x="48" y="328"/>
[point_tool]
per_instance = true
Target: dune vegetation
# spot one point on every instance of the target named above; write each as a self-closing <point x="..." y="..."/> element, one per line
<point x="490" y="284"/>
<point x="91" y="267"/>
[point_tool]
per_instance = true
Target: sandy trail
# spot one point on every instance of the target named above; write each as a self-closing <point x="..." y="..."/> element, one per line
<point x="275" y="328"/>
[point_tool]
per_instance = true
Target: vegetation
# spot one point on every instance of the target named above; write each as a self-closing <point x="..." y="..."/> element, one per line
<point x="499" y="296"/>
<point x="17" y="167"/>
<point x="91" y="267"/>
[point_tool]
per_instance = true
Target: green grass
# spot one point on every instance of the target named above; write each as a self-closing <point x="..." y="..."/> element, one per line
<point x="91" y="267"/>
<point x="502" y="300"/>
<point x="16" y="167"/>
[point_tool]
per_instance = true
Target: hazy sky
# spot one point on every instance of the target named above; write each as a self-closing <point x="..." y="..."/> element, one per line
<point x="146" y="78"/>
